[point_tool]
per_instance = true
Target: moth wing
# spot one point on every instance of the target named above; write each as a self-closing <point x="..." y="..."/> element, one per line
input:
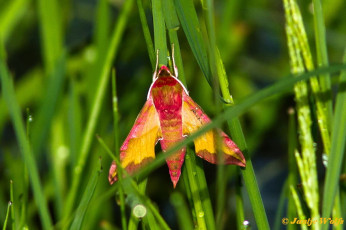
<point x="206" y="144"/>
<point x="139" y="146"/>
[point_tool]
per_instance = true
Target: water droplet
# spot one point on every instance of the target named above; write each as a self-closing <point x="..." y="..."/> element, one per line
<point x="139" y="211"/>
<point x="200" y="214"/>
<point x="246" y="223"/>
<point x="325" y="160"/>
<point x="30" y="118"/>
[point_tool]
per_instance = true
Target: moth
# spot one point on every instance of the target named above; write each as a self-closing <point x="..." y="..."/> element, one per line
<point x="169" y="115"/>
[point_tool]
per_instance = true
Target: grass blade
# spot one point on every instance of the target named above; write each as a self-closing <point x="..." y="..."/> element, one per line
<point x="146" y="32"/>
<point x="47" y="110"/>
<point x="7" y="215"/>
<point x="10" y="17"/>
<point x="338" y="149"/>
<point x="9" y="96"/>
<point x="189" y="21"/>
<point x="83" y="206"/>
<point x="96" y="107"/>
<point x="182" y="211"/>
<point x="159" y="31"/>
<point x="51" y="32"/>
<point x="322" y="56"/>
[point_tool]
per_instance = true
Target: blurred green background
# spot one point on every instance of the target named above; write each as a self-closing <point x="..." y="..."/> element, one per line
<point x="54" y="50"/>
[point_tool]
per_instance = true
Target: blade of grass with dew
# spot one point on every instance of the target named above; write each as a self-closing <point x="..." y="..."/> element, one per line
<point x="9" y="204"/>
<point x="235" y="129"/>
<point x="282" y="86"/>
<point x="188" y="193"/>
<point x="239" y="203"/>
<point x="117" y="147"/>
<point x="204" y="192"/>
<point x="292" y="166"/>
<point x="96" y="106"/>
<point x="9" y="96"/>
<point x="173" y="26"/>
<point x="58" y="153"/>
<point x="146" y="32"/>
<point x="84" y="204"/>
<point x="13" y="219"/>
<point x="182" y="211"/>
<point x="31" y="82"/>
<point x="322" y="57"/>
<point x="297" y="27"/>
<point x="74" y="120"/>
<point x="51" y="32"/>
<point x="189" y="21"/>
<point x="11" y="16"/>
<point x="197" y="202"/>
<point x="307" y="161"/>
<point x="159" y="31"/>
<point x="338" y="148"/>
<point x="45" y="114"/>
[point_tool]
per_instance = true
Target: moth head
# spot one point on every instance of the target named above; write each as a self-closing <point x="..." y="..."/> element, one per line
<point x="164" y="72"/>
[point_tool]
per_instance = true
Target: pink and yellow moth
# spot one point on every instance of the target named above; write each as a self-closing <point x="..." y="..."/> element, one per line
<point x="168" y="115"/>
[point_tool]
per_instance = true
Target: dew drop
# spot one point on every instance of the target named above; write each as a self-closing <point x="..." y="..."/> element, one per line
<point x="139" y="211"/>
<point x="325" y="160"/>
<point x="30" y="118"/>
<point x="200" y="214"/>
<point x="246" y="223"/>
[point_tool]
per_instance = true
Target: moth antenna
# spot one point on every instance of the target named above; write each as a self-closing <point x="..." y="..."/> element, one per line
<point x="156" y="66"/>
<point x="174" y="66"/>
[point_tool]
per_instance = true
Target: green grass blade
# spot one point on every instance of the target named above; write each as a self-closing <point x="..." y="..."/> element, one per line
<point x="9" y="95"/>
<point x="182" y="211"/>
<point x="322" y="56"/>
<point x="239" y="203"/>
<point x="83" y="206"/>
<point x="96" y="107"/>
<point x="338" y="149"/>
<point x="189" y="21"/>
<point x="13" y="219"/>
<point x="159" y="31"/>
<point x="51" y="32"/>
<point x="146" y="32"/>
<point x="254" y="195"/>
<point x="292" y="166"/>
<point x="7" y="215"/>
<point x="195" y="189"/>
<point x="74" y="120"/>
<point x="173" y="25"/>
<point x="204" y="193"/>
<point x="41" y="124"/>
<point x="117" y="147"/>
<point x="10" y="16"/>
<point x="102" y="26"/>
